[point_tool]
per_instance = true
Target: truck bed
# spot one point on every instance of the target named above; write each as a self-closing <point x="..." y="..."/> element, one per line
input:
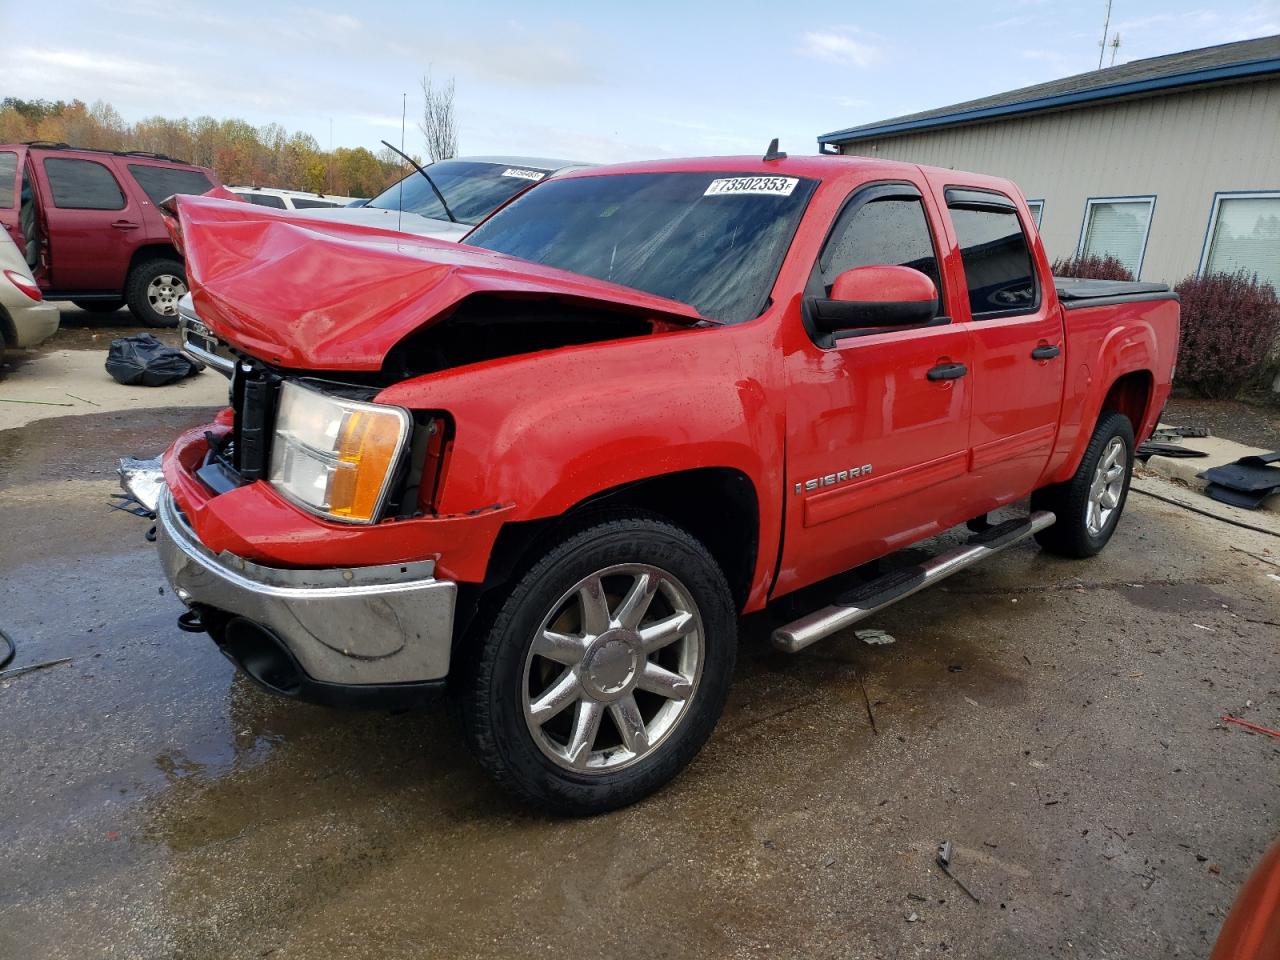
<point x="1077" y="292"/>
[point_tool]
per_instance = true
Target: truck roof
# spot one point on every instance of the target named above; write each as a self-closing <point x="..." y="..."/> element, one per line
<point x="817" y="167"/>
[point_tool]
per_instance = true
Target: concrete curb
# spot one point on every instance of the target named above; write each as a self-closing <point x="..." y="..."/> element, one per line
<point x="1219" y="452"/>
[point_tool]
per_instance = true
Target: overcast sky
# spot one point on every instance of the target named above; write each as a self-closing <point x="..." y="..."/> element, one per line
<point x="589" y="81"/>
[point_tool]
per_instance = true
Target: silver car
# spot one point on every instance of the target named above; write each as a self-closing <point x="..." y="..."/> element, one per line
<point x="26" y="318"/>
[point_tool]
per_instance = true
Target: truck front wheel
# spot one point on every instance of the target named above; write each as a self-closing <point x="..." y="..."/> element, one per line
<point x="1089" y="505"/>
<point x="602" y="672"/>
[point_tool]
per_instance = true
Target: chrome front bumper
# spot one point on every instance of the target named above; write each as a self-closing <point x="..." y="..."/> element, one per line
<point x="362" y="625"/>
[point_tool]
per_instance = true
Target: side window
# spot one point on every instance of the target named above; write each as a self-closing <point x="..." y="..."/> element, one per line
<point x="8" y="176"/>
<point x="305" y="203"/>
<point x="161" y="183"/>
<point x="82" y="185"/>
<point x="996" y="257"/>
<point x="890" y="231"/>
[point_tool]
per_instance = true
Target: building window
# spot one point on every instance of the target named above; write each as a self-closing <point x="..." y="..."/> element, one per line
<point x="1244" y="234"/>
<point x="1037" y="211"/>
<point x="1117" y="227"/>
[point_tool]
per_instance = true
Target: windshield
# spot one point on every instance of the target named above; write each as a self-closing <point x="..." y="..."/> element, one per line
<point x="472" y="190"/>
<point x="712" y="240"/>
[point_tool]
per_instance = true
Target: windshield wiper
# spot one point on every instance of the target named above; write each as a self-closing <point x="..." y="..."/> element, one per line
<point x="439" y="195"/>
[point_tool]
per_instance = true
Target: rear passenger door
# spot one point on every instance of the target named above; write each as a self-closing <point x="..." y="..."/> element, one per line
<point x="1017" y="341"/>
<point x="93" y="225"/>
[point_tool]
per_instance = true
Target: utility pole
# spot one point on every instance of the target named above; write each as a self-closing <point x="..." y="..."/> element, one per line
<point x="1102" y="44"/>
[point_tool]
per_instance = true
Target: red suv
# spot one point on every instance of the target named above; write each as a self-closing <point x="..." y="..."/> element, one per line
<point x="87" y="222"/>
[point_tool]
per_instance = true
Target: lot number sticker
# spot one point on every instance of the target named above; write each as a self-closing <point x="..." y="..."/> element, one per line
<point x="773" y="186"/>
<point x="523" y="174"/>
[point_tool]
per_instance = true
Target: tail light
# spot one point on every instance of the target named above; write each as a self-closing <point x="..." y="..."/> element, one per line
<point x="27" y="287"/>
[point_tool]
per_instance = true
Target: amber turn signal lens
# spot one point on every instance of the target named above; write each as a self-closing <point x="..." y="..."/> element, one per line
<point x="368" y="442"/>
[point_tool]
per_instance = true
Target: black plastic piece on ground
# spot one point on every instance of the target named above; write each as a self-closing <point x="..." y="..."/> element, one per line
<point x="1158" y="448"/>
<point x="7" y="649"/>
<point x="190" y="621"/>
<point x="1001" y="533"/>
<point x="882" y="590"/>
<point x="1246" y="499"/>
<point x="1248" y="474"/>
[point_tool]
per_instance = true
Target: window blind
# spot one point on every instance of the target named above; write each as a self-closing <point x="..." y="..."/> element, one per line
<point x="1246" y="236"/>
<point x="1118" y="228"/>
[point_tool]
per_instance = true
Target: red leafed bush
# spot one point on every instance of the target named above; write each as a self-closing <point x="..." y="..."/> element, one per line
<point x="1229" y="323"/>
<point x="1092" y="268"/>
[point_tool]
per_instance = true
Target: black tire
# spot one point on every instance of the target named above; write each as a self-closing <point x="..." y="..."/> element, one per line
<point x="99" y="306"/>
<point x="1070" y="536"/>
<point x="136" y="287"/>
<point x="495" y="685"/>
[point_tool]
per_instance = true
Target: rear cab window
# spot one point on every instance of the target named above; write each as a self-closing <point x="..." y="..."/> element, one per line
<point x="82" y="185"/>
<point x="160" y="183"/>
<point x="999" y="273"/>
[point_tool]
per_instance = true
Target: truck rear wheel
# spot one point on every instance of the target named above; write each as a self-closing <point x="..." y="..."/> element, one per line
<point x="1088" y="506"/>
<point x="153" y="290"/>
<point x="602" y="672"/>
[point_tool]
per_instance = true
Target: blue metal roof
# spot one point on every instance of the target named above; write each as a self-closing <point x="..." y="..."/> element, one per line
<point x="1192" y="68"/>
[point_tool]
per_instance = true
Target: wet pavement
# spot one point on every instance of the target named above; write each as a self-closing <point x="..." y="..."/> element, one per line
<point x="1057" y="720"/>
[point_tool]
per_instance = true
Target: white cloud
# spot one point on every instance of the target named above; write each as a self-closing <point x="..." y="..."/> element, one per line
<point x="841" y="45"/>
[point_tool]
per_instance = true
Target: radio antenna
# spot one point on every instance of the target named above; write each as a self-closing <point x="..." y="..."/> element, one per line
<point x="404" y="101"/>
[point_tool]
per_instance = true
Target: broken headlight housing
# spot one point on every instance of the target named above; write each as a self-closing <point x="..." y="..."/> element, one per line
<point x="334" y="456"/>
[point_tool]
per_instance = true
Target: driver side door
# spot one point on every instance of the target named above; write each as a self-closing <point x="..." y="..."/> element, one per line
<point x="877" y="441"/>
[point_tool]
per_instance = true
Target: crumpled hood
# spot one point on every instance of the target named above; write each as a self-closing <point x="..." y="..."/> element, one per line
<point x="311" y="294"/>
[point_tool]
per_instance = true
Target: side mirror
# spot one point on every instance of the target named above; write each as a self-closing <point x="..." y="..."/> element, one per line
<point x="878" y="296"/>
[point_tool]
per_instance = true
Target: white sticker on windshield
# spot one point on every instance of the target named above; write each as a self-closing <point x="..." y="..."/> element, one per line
<point x="523" y="174"/>
<point x="775" y="186"/>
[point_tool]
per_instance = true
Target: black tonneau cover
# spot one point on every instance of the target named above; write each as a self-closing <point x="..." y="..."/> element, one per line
<point x="1075" y="292"/>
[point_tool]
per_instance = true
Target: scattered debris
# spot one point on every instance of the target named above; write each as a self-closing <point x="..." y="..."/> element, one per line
<point x="44" y="403"/>
<point x="6" y="674"/>
<point x="912" y="917"/>
<point x="875" y="638"/>
<point x="972" y="702"/>
<point x="1246" y="482"/>
<point x="943" y="859"/>
<point x="1157" y="448"/>
<point x="955" y="667"/>
<point x="917" y="898"/>
<point x="1227" y="718"/>
<point x="1214" y="868"/>
<point x="1257" y="556"/>
<point x="867" y="701"/>
<point x="1203" y="627"/>
<point x="84" y="400"/>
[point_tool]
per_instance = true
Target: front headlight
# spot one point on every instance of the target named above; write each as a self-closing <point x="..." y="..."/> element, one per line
<point x="336" y="456"/>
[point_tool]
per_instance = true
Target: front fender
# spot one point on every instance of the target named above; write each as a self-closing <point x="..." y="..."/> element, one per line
<point x="546" y="431"/>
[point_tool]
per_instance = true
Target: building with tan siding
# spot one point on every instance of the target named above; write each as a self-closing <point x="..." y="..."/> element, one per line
<point x="1171" y="164"/>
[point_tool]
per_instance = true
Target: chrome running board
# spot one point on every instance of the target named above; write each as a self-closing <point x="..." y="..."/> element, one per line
<point x="872" y="597"/>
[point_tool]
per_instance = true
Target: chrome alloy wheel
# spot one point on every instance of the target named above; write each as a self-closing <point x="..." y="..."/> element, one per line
<point x="1108" y="484"/>
<point x="164" y="292"/>
<point x="613" y="668"/>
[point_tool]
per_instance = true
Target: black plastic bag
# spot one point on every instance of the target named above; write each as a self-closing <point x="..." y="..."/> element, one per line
<point x="143" y="359"/>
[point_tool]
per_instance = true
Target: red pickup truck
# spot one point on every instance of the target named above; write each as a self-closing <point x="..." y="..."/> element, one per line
<point x="547" y="469"/>
<point x="89" y="224"/>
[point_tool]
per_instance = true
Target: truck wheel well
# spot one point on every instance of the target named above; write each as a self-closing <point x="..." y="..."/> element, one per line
<point x="717" y="505"/>
<point x="154" y="251"/>
<point x="1131" y="395"/>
